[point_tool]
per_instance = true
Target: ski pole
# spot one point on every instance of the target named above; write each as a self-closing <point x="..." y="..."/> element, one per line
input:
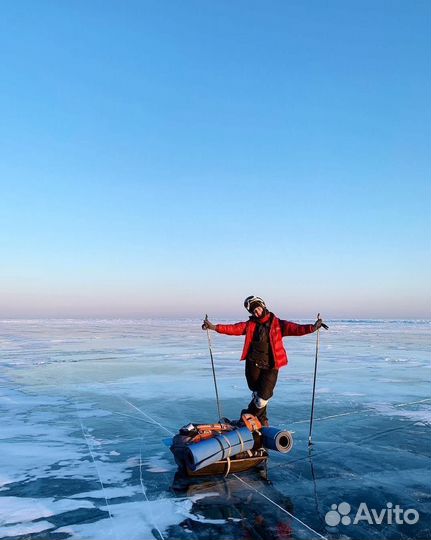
<point x="314" y="380"/>
<point x="213" y="369"/>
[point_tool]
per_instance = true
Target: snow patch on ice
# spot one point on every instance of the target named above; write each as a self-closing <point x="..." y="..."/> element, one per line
<point x="109" y="493"/>
<point x="23" y="509"/>
<point x="422" y="414"/>
<point x="138" y="519"/>
<point x="158" y="464"/>
<point x="325" y="390"/>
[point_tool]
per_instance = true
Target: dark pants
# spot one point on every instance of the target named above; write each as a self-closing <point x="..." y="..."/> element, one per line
<point x="262" y="382"/>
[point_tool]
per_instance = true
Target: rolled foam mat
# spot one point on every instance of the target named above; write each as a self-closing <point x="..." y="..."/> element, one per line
<point x="277" y="439"/>
<point x="204" y="453"/>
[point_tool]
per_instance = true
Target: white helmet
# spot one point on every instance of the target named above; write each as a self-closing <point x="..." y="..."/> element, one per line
<point x="251" y="302"/>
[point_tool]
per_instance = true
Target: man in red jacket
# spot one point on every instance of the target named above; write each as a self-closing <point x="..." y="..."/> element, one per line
<point x="263" y="350"/>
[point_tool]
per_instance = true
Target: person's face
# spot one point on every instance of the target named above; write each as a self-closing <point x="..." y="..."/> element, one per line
<point x="258" y="311"/>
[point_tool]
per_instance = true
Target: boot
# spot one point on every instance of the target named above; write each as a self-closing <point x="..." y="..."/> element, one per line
<point x="259" y="413"/>
<point x="262" y="417"/>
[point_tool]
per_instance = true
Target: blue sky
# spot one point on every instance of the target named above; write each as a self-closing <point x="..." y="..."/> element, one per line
<point x="171" y="158"/>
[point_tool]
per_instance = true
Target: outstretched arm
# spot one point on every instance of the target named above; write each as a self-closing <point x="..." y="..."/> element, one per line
<point x="237" y="329"/>
<point x="294" y="329"/>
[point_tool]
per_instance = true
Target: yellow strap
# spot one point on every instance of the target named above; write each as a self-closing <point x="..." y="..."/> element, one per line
<point x="228" y="467"/>
<point x="242" y="442"/>
<point x="229" y="445"/>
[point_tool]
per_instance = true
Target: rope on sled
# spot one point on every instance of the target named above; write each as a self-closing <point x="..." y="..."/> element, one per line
<point x="228" y="466"/>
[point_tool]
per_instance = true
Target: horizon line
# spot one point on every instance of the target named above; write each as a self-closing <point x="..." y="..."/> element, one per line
<point x="166" y="317"/>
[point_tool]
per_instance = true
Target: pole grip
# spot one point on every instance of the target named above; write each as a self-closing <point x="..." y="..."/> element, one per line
<point x="325" y="326"/>
<point x="205" y="320"/>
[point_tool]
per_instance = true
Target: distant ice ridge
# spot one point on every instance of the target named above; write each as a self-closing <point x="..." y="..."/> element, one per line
<point x="167" y="322"/>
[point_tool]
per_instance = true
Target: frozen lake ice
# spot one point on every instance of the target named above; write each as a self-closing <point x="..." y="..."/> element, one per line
<point x="85" y="405"/>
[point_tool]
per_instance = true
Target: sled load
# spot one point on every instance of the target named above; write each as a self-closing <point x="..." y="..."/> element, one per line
<point x="227" y="447"/>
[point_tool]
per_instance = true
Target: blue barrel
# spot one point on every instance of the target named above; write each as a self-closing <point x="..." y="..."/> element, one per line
<point x="204" y="453"/>
<point x="277" y="439"/>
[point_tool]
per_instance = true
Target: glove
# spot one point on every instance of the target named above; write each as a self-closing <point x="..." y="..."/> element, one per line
<point x="320" y="324"/>
<point x="207" y="325"/>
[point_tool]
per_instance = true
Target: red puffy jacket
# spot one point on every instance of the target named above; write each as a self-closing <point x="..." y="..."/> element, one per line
<point x="277" y="331"/>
